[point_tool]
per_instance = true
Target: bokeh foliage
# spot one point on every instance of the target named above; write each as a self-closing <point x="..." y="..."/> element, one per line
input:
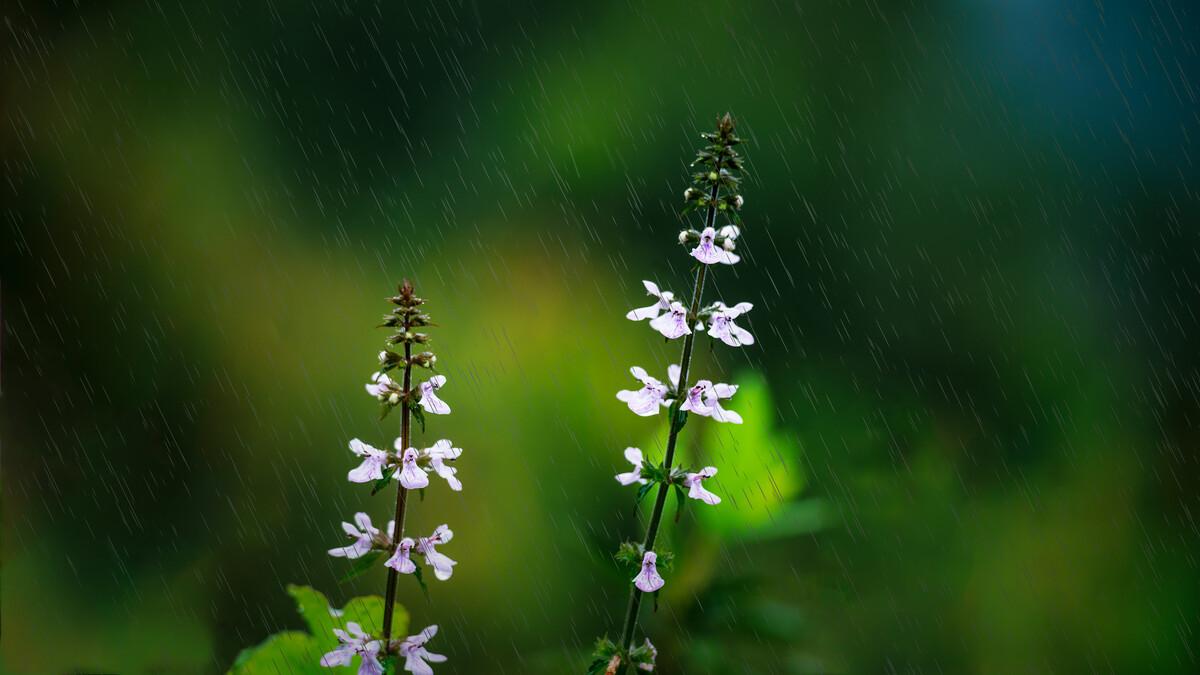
<point x="970" y="238"/>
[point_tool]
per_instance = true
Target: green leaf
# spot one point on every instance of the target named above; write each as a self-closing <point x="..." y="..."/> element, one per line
<point x="299" y="652"/>
<point x="421" y="581"/>
<point x="679" y="497"/>
<point x="383" y="482"/>
<point x="760" y="470"/>
<point x="643" y="490"/>
<point x="361" y="566"/>
<point x="292" y="652"/>
<point x="419" y="415"/>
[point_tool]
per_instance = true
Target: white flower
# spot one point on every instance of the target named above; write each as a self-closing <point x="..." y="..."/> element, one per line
<point x="410" y="475"/>
<point x="400" y="560"/>
<point x="415" y="655"/>
<point x="438" y="455"/>
<point x="724" y="329"/>
<point x="634" y="455"/>
<point x="729" y="235"/>
<point x="429" y="400"/>
<point x="696" y="490"/>
<point x="652" y="311"/>
<point x="372" y="466"/>
<point x="694" y="399"/>
<point x="648" y="580"/>
<point x="673" y="323"/>
<point x="442" y="565"/>
<point x="645" y="401"/>
<point x="363" y="536"/>
<point x="383" y="388"/>
<point x="707" y="251"/>
<point x="354" y="642"/>
<point x="712" y="398"/>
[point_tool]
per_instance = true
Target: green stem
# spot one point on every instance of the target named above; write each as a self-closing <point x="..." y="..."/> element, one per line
<point x="389" y="597"/>
<point x="660" y="500"/>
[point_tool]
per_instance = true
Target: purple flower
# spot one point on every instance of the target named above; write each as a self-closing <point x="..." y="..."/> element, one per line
<point x="442" y="452"/>
<point x="693" y="400"/>
<point x="696" y="490"/>
<point x="712" y="398"/>
<point x="442" y="565"/>
<point x="354" y="642"/>
<point x="645" y="401"/>
<point x="400" y="560"/>
<point x="429" y="400"/>
<point x="383" y="388"/>
<point x="724" y="329"/>
<point x="648" y="580"/>
<point x="652" y="311"/>
<point x="673" y="323"/>
<point x="363" y="535"/>
<point x="707" y="250"/>
<point x="634" y="455"/>
<point x="372" y="466"/>
<point x="415" y="655"/>
<point x="411" y="476"/>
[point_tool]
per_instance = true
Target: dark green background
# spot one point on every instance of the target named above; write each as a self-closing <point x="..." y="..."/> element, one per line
<point x="971" y="242"/>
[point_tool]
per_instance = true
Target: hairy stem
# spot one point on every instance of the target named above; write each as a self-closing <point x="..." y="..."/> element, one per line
<point x="660" y="500"/>
<point x="389" y="597"/>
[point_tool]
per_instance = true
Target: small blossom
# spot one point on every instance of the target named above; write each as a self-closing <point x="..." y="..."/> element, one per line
<point x="634" y="455"/>
<point x="712" y="398"/>
<point x="363" y="535"/>
<point x="724" y="329"/>
<point x="693" y="400"/>
<point x="696" y="490"/>
<point x="429" y="400"/>
<point x="438" y="455"/>
<point x="415" y="655"/>
<point x="683" y="236"/>
<point x="354" y="642"/>
<point x="400" y="560"/>
<point x="410" y="475"/>
<point x="673" y="323"/>
<point x="728" y="236"/>
<point x="383" y="388"/>
<point x="645" y="401"/>
<point x="442" y="565"/>
<point x="708" y="253"/>
<point x="648" y="580"/>
<point x="372" y="466"/>
<point x="647" y="662"/>
<point x="652" y="311"/>
<point x="738" y="202"/>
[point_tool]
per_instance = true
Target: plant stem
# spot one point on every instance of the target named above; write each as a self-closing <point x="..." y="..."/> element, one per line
<point x="389" y="597"/>
<point x="660" y="500"/>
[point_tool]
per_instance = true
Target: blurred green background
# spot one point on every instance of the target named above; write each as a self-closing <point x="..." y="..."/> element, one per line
<point x="971" y="241"/>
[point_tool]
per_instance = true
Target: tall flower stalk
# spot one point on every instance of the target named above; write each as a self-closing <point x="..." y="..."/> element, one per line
<point x="411" y="468"/>
<point x="714" y="192"/>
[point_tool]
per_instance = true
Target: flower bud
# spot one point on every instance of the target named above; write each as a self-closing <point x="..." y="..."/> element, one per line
<point x="683" y="236"/>
<point x="712" y="175"/>
<point x="389" y="359"/>
<point x="424" y="359"/>
<point x="738" y="201"/>
<point x="690" y="194"/>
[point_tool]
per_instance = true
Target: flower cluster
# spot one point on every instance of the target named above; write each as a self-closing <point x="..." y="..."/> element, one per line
<point x="714" y="190"/>
<point x="411" y="467"/>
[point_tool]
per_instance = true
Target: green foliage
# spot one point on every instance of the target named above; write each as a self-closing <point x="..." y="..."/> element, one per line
<point x="299" y="652"/>
<point x="630" y="555"/>
<point x="760" y="475"/>
<point x="602" y="655"/>
<point x="361" y="566"/>
<point x="383" y="482"/>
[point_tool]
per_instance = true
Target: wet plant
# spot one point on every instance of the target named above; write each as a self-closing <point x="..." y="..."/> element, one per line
<point x="354" y="627"/>
<point x="714" y="192"/>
